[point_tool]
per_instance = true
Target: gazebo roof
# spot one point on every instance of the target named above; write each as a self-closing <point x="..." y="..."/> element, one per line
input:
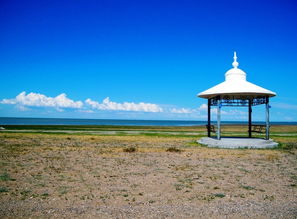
<point x="236" y="85"/>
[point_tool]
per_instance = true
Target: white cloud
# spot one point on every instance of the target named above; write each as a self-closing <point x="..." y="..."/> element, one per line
<point x="40" y="100"/>
<point x="126" y="106"/>
<point x="181" y="111"/>
<point x="203" y="107"/>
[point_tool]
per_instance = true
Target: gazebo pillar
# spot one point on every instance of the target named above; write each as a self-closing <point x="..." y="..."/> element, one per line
<point x="208" y="118"/>
<point x="219" y="120"/>
<point x="250" y="118"/>
<point x="267" y="118"/>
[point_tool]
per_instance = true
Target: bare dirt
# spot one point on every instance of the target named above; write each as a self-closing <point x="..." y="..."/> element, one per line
<point x="85" y="176"/>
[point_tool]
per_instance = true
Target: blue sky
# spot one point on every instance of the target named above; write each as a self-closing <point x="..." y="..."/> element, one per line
<point x="143" y="59"/>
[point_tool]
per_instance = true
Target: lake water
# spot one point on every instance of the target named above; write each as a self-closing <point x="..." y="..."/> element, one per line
<point x="57" y="121"/>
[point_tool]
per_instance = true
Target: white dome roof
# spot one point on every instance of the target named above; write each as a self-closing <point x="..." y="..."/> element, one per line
<point x="236" y="85"/>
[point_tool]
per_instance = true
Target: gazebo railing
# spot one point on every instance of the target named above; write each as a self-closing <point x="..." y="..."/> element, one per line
<point x="238" y="101"/>
<point x="229" y="100"/>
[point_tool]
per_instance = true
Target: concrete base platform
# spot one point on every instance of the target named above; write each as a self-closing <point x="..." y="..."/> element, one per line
<point x="231" y="142"/>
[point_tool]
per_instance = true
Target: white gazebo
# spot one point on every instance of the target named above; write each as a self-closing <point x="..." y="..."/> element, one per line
<point x="236" y="91"/>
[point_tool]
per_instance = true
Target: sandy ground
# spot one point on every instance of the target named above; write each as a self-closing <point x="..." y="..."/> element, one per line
<point x="84" y="176"/>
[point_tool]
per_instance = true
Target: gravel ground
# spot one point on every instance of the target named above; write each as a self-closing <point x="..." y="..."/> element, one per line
<point x="65" y="176"/>
<point x="244" y="209"/>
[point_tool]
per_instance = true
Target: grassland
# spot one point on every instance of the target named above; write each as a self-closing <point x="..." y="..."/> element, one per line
<point x="143" y="172"/>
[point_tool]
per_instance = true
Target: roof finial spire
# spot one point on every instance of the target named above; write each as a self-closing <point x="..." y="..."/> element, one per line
<point x="235" y="63"/>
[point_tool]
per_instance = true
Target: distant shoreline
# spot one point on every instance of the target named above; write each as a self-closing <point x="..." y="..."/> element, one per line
<point x="118" y="122"/>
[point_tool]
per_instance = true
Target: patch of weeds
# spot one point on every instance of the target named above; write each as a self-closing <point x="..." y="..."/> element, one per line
<point x="247" y="187"/>
<point x="121" y="133"/>
<point x="2" y="163"/>
<point x="208" y="198"/>
<point x="61" y="177"/>
<point x="219" y="195"/>
<point x="140" y="193"/>
<point x="269" y="197"/>
<point x="184" y="183"/>
<point x="130" y="149"/>
<point x="293" y="185"/>
<point x="151" y="201"/>
<point x="202" y="145"/>
<point x="3" y="189"/>
<point x="6" y="177"/>
<point x="216" y="187"/>
<point x="44" y="195"/>
<point x="12" y="193"/>
<point x="40" y="184"/>
<point x="62" y="190"/>
<point x="183" y="167"/>
<point x="125" y="195"/>
<point x="16" y="148"/>
<point x="289" y="146"/>
<point x="25" y="193"/>
<point x="294" y="177"/>
<point x="244" y="170"/>
<point x="178" y="186"/>
<point x="34" y="195"/>
<point x="193" y="198"/>
<point x="37" y="177"/>
<point x="103" y="197"/>
<point x="173" y="149"/>
<point x="242" y="196"/>
<point x="214" y="177"/>
<point x="192" y="143"/>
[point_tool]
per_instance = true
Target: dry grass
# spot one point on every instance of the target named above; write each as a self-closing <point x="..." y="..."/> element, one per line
<point x="75" y="175"/>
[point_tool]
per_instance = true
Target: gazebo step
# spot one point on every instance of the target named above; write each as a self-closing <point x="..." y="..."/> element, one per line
<point x="226" y="142"/>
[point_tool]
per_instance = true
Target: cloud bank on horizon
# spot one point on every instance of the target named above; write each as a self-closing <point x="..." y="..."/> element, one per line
<point x="40" y="100"/>
<point x="28" y="101"/>
<point x="61" y="102"/>
<point x="126" y="106"/>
